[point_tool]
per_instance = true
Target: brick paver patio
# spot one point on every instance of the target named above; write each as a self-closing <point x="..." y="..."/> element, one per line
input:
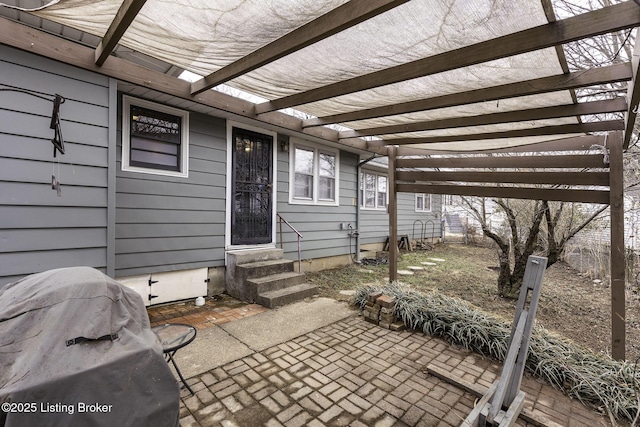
<point x="216" y="311"/>
<point x="352" y="373"/>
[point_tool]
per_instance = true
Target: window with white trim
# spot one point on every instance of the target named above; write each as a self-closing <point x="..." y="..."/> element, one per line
<point x="315" y="175"/>
<point x="154" y="138"/>
<point x="423" y="202"/>
<point x="373" y="190"/>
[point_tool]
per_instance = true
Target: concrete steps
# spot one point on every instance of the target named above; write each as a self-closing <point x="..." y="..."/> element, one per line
<point x="265" y="277"/>
<point x="275" y="282"/>
<point x="454" y="223"/>
<point x="286" y="295"/>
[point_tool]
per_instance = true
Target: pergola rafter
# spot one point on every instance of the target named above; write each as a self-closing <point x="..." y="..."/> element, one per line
<point x="571" y="143"/>
<point x="591" y="77"/>
<point x="602" y="126"/>
<point x="125" y="16"/>
<point x="339" y="19"/>
<point x="586" y="108"/>
<point x="614" y="18"/>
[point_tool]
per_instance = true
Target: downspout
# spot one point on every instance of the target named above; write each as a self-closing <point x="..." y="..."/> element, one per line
<point x="359" y="202"/>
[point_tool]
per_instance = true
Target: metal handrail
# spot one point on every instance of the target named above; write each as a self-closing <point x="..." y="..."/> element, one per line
<point x="281" y="220"/>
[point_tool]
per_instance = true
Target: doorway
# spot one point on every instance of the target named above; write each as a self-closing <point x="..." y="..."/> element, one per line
<point x="251" y="187"/>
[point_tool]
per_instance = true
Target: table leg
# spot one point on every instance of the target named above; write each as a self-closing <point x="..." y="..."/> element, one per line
<point x="170" y="355"/>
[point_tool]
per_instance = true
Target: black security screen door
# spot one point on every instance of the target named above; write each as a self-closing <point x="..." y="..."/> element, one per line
<point x="251" y="204"/>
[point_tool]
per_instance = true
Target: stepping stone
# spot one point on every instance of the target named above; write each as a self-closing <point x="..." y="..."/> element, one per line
<point x="428" y="263"/>
<point x="348" y="292"/>
<point x="415" y="268"/>
<point x="405" y="273"/>
<point x="437" y="259"/>
<point x="365" y="271"/>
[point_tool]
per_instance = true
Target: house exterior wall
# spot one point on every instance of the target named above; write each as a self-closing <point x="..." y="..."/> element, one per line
<point x="407" y="217"/>
<point x="129" y="223"/>
<point x="318" y="224"/>
<point x="374" y="223"/>
<point x="166" y="223"/>
<point x="38" y="229"/>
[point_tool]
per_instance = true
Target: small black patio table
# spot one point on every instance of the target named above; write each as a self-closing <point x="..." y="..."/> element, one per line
<point x="174" y="336"/>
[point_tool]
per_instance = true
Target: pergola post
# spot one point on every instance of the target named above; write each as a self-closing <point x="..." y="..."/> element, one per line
<point x="616" y="205"/>
<point x="393" y="216"/>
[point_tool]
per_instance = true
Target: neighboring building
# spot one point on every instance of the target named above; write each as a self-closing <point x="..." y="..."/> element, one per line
<point x="158" y="189"/>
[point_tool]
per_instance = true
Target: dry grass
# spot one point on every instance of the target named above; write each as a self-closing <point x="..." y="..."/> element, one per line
<point x="570" y="304"/>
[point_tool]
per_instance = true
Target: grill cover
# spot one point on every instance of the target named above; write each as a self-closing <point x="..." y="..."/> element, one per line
<point x="123" y="382"/>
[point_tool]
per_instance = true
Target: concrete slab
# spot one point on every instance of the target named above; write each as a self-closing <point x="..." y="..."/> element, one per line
<point x="415" y="268"/>
<point x="437" y="259"/>
<point x="212" y="347"/>
<point x="405" y="273"/>
<point x="272" y="327"/>
<point x="428" y="263"/>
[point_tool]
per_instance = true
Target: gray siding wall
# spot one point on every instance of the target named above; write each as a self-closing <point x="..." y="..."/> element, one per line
<point x="319" y="225"/>
<point x="407" y="216"/>
<point x="168" y="223"/>
<point x="374" y="224"/>
<point x="38" y="230"/>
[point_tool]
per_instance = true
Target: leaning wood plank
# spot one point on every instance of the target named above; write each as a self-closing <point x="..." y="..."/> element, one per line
<point x="474" y="415"/>
<point x="514" y="411"/>
<point x="533" y="277"/>
<point x="478" y="390"/>
<point x="508" y="367"/>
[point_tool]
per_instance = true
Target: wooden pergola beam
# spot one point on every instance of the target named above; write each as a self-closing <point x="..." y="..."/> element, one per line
<point x="551" y="178"/>
<point x="591" y="77"/>
<point x="333" y="22"/>
<point x="587" y="108"/>
<point x="393" y="216"/>
<point x="613" y="18"/>
<point x="49" y="46"/>
<point x="578" y="161"/>
<point x="572" y="143"/>
<point x="124" y="17"/>
<point x="603" y="126"/>
<point x="618" y="252"/>
<point x="555" y="194"/>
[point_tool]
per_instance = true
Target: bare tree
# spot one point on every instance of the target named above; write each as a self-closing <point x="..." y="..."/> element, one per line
<point x="538" y="226"/>
<point x="541" y="226"/>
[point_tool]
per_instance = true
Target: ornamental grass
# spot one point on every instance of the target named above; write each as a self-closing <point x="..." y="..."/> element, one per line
<point x="598" y="381"/>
